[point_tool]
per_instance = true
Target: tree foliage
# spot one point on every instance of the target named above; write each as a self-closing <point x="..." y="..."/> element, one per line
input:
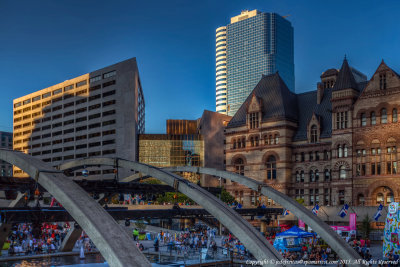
<point x="226" y="197"/>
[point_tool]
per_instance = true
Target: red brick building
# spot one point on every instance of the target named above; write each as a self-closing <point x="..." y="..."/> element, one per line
<point x="331" y="146"/>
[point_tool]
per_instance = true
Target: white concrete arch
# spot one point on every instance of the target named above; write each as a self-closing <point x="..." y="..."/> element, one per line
<point x="343" y="249"/>
<point x="247" y="234"/>
<point x="116" y="246"/>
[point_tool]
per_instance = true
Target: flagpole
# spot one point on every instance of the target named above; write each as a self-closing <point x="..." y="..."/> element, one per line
<point x="327" y="216"/>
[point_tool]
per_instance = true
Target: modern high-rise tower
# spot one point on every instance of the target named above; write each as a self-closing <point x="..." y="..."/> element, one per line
<point x="252" y="45"/>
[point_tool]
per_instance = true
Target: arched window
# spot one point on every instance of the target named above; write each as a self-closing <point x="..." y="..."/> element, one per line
<point x="234" y="143"/>
<point x="276" y="139"/>
<point x="363" y="119"/>
<point x="244" y="142"/>
<point x="345" y="151"/>
<point x="239" y="166"/>
<point x="271" y="168"/>
<point x="394" y="115"/>
<point x="389" y="198"/>
<point x="266" y="141"/>
<point x="251" y="141"/>
<point x="342" y="172"/>
<point x="340" y="151"/>
<point x="239" y="144"/>
<point x="312" y="176"/>
<point x="327" y="175"/>
<point x="379" y="198"/>
<point x="361" y="200"/>
<point x="257" y="141"/>
<point x="373" y="118"/>
<point x="271" y="140"/>
<point x="383" y="116"/>
<point x="302" y="156"/>
<point x="297" y="176"/>
<point x="302" y="176"/>
<point x="314" y="134"/>
<point x="316" y="175"/>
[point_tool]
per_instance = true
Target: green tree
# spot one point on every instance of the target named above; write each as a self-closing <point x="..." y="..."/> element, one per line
<point x="300" y="201"/>
<point x="172" y="197"/>
<point x="365" y="228"/>
<point x="226" y="197"/>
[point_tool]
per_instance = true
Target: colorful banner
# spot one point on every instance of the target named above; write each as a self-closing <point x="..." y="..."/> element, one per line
<point x="353" y="221"/>
<point x="302" y="225"/>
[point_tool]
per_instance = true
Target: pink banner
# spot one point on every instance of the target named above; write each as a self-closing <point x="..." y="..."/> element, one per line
<point x="353" y="222"/>
<point x="302" y="225"/>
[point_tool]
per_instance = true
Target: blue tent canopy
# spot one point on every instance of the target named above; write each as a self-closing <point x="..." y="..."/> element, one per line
<point x="296" y="232"/>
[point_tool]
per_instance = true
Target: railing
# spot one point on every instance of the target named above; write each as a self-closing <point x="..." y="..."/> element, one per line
<point x="173" y="253"/>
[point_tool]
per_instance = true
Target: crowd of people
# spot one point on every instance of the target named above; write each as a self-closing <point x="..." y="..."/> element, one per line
<point x="30" y="239"/>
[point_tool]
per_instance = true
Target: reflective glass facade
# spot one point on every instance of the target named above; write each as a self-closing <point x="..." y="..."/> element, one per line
<point x="164" y="150"/>
<point x="257" y="45"/>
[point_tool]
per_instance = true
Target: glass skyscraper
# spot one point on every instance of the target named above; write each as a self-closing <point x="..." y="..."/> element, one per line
<point x="255" y="44"/>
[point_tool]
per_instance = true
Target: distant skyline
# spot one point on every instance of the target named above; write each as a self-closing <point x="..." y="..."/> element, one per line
<point x="46" y="42"/>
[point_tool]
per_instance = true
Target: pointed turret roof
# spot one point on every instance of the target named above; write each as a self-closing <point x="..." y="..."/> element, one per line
<point x="345" y="79"/>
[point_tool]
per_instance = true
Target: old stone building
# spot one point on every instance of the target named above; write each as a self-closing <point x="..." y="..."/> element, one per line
<point x="331" y="146"/>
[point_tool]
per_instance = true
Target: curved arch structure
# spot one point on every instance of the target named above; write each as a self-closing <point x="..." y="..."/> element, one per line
<point x="247" y="234"/>
<point x="343" y="249"/>
<point x="114" y="243"/>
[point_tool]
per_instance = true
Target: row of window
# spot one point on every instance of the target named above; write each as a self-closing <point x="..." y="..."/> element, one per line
<point x="312" y="156"/>
<point x="80" y="155"/>
<point x="69" y="113"/>
<point x="270" y="167"/>
<point x="57" y="99"/>
<point x="383" y="116"/>
<point x="89" y="136"/>
<point x="255" y="141"/>
<point x="314" y="176"/>
<point x="77" y="147"/>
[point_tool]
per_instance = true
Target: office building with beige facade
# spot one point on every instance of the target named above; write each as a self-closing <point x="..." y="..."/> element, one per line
<point x="98" y="114"/>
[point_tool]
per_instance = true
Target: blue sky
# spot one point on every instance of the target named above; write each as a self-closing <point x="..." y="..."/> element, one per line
<point x="46" y="42"/>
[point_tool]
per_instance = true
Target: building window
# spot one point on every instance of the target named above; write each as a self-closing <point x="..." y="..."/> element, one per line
<point x="109" y="74"/>
<point x="363" y="119"/>
<point x="382" y="81"/>
<point x="311" y="156"/>
<point x="373" y="118"/>
<point x="234" y="144"/>
<point x="342" y="172"/>
<point x="340" y="151"/>
<point x="252" y="141"/>
<point x="341" y="197"/>
<point x="312" y="176"/>
<point x="239" y="166"/>
<point x="391" y="160"/>
<point x="379" y="198"/>
<point x="271" y="168"/>
<point x="326" y="155"/>
<point x="341" y="120"/>
<point x="361" y="200"/>
<point x="253" y="120"/>
<point x="394" y="115"/>
<point x="389" y="198"/>
<point x="314" y="134"/>
<point x="345" y="151"/>
<point x="257" y="141"/>
<point x="302" y="157"/>
<point x="276" y="139"/>
<point x="327" y="175"/>
<point x="383" y="116"/>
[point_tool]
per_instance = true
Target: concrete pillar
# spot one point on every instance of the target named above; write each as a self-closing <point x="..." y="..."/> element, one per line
<point x="70" y="239"/>
<point x="74" y="233"/>
<point x="263" y="227"/>
<point x="5" y="228"/>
